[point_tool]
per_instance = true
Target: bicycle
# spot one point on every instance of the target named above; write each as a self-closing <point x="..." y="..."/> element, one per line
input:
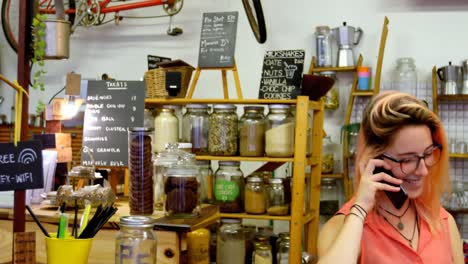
<point x="89" y="13"/>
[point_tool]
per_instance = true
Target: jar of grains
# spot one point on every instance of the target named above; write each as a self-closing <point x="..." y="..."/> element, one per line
<point x="230" y="248"/>
<point x="195" y="127"/>
<point x="252" y="132"/>
<point x="166" y="129"/>
<point x="254" y="202"/>
<point x="222" y="136"/>
<point x="140" y="169"/>
<point x="135" y="242"/>
<point x="279" y="136"/>
<point x="181" y="187"/>
<point x="229" y="187"/>
<point x="276" y="203"/>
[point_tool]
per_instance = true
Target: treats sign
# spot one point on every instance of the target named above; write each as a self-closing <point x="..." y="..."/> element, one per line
<point x="111" y="108"/>
<point x="21" y="166"/>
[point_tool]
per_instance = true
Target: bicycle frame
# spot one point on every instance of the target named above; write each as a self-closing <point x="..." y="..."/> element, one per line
<point x="106" y="8"/>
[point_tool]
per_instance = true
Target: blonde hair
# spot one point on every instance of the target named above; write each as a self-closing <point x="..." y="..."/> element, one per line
<point x="387" y="113"/>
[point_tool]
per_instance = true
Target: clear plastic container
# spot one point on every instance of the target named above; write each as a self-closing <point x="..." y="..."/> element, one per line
<point x="140" y="168"/>
<point x="195" y="127"/>
<point x="135" y="242"/>
<point x="182" y="192"/>
<point x="323" y="45"/>
<point x="230" y="248"/>
<point x="252" y="132"/>
<point x="405" y="77"/>
<point x="223" y="134"/>
<point x="229" y="187"/>
<point x="279" y="135"/>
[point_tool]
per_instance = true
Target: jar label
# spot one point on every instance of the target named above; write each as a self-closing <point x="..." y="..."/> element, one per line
<point x="226" y="190"/>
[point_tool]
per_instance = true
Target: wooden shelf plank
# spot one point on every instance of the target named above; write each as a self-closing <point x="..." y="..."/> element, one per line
<point x="363" y="93"/>
<point x="452" y="97"/>
<point x="333" y="175"/>
<point x="238" y="158"/>
<point x="460" y="156"/>
<point x="253" y="216"/>
<point x="336" y="69"/>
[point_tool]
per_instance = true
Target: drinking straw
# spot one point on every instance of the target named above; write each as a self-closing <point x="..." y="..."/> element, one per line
<point x="62" y="209"/>
<point x="63" y="223"/>
<point x="74" y="229"/>
<point x="44" y="231"/>
<point x="84" y="217"/>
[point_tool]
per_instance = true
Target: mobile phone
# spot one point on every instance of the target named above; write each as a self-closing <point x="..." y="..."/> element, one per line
<point x="397" y="198"/>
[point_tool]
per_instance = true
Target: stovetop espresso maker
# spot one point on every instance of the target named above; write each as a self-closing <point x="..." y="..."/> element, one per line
<point x="451" y="77"/>
<point x="346" y="37"/>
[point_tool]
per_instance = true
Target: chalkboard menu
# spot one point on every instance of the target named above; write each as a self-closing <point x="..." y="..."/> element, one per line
<point x="111" y="108"/>
<point x="21" y="166"/>
<point x="154" y="60"/>
<point x="217" y="40"/>
<point x="281" y="74"/>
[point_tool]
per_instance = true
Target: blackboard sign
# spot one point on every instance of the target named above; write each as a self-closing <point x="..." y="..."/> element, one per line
<point x="21" y="166"/>
<point x="218" y="40"/>
<point x="154" y="60"/>
<point x="111" y="108"/>
<point x="281" y="74"/>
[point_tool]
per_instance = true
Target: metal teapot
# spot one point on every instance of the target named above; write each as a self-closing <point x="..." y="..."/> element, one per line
<point x="346" y="37"/>
<point x="451" y="77"/>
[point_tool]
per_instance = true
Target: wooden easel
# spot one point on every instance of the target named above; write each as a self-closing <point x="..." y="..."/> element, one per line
<point x="223" y="74"/>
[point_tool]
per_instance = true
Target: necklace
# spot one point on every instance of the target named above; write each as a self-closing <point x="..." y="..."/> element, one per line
<point x="416" y="226"/>
<point x="400" y="224"/>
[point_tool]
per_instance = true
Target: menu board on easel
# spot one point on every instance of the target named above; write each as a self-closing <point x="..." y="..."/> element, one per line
<point x="111" y="108"/>
<point x="281" y="74"/>
<point x="217" y="40"/>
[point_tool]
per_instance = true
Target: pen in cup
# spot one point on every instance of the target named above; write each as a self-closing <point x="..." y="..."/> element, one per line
<point x="63" y="225"/>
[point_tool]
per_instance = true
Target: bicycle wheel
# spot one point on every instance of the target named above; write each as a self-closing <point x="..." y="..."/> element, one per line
<point x="174" y="8"/>
<point x="253" y="10"/>
<point x="10" y="13"/>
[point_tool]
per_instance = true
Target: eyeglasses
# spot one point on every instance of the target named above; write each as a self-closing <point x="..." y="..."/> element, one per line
<point x="409" y="165"/>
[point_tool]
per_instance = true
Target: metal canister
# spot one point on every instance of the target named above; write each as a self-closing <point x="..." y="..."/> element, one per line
<point x="323" y="46"/>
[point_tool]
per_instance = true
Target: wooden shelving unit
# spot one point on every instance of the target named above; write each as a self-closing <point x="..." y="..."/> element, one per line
<point x="303" y="223"/>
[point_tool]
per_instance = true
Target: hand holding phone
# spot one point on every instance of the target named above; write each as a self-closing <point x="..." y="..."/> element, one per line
<point x="397" y="198"/>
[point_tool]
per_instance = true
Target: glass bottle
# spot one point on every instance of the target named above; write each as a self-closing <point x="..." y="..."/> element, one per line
<point x="198" y="246"/>
<point x="206" y="180"/>
<point x="279" y="135"/>
<point x="249" y="234"/>
<point x="328" y="160"/>
<point x="222" y="136"/>
<point x="140" y="169"/>
<point x="332" y="98"/>
<point x="148" y="119"/>
<point x="276" y="203"/>
<point x="229" y="187"/>
<point x="166" y="129"/>
<point x="254" y="195"/>
<point x="329" y="199"/>
<point x="405" y="77"/>
<point x="323" y="45"/>
<point x="262" y="253"/>
<point x="282" y="256"/>
<point x="252" y="132"/>
<point x="230" y="248"/>
<point x="181" y="188"/>
<point x="195" y="127"/>
<point x="135" y="242"/>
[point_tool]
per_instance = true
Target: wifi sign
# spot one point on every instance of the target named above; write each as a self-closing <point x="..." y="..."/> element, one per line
<point x="27" y="156"/>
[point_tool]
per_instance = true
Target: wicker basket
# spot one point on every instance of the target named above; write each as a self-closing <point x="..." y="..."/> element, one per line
<point x="156" y="79"/>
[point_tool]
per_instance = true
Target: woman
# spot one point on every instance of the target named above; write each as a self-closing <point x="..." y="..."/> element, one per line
<point x="401" y="135"/>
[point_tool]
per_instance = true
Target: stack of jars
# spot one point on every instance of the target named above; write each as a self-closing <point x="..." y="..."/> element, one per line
<point x="269" y="198"/>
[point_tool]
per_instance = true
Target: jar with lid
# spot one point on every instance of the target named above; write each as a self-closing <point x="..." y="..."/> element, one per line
<point x="249" y="235"/>
<point x="262" y="253"/>
<point x="279" y="135"/>
<point x="166" y="128"/>
<point x="328" y="156"/>
<point x="323" y="45"/>
<point x="404" y="77"/>
<point x="181" y="188"/>
<point x="331" y="99"/>
<point x="276" y="204"/>
<point x="230" y="248"/>
<point x="283" y="246"/>
<point x="229" y="187"/>
<point x="329" y="199"/>
<point x="135" y="242"/>
<point x="198" y="246"/>
<point x="254" y="195"/>
<point x="148" y="119"/>
<point x="140" y="168"/>
<point x="195" y="127"/>
<point x="222" y="136"/>
<point x="206" y="180"/>
<point x="252" y="132"/>
<point x="179" y="114"/>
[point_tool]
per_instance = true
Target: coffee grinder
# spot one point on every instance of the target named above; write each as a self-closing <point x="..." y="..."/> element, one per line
<point x="346" y="37"/>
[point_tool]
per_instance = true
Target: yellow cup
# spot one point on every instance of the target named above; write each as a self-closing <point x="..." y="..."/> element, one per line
<point x="67" y="250"/>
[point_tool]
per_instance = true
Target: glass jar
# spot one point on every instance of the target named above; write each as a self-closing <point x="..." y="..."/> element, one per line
<point x="276" y="204"/>
<point x="166" y="129"/>
<point x="283" y="246"/>
<point x="323" y="45"/>
<point x="148" y="119"/>
<point x="195" y="127"/>
<point x="279" y="135"/>
<point x="181" y="188"/>
<point x="179" y="114"/>
<point x="230" y="248"/>
<point x="229" y="187"/>
<point x="135" y="242"/>
<point x="331" y="99"/>
<point x="405" y="77"/>
<point x="328" y="156"/>
<point x="140" y="169"/>
<point x="198" y="246"/>
<point x="262" y="253"/>
<point x="252" y="132"/>
<point x="329" y="199"/>
<point x="206" y="180"/>
<point x="249" y="235"/>
<point x="222" y="137"/>
<point x="254" y="195"/>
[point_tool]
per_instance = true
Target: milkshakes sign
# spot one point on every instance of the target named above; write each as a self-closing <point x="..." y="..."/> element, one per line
<point x="21" y="166"/>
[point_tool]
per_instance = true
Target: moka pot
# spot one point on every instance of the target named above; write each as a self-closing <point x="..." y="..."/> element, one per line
<point x="346" y="37"/>
<point x="451" y="77"/>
